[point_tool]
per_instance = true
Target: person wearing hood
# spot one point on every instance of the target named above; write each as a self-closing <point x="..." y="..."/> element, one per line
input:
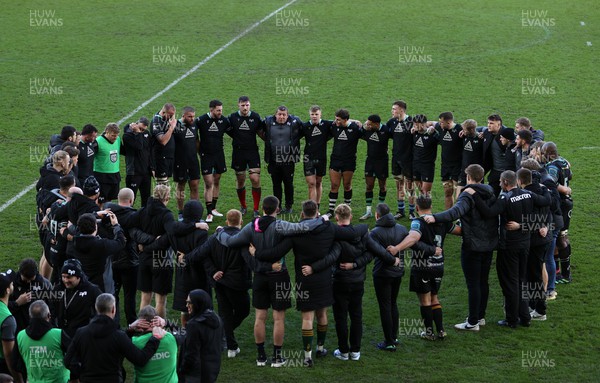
<point x="200" y="354"/>
<point x="28" y="284"/>
<point x="49" y="175"/>
<point x="67" y="133"/>
<point x="479" y="240"/>
<point x="388" y="271"/>
<point x="231" y="277"/>
<point x="97" y="351"/>
<point x="40" y="348"/>
<point x="82" y="201"/>
<point x="188" y="275"/>
<point x="507" y="138"/>
<point x="75" y="297"/>
<point x="155" y="273"/>
<point x="95" y="253"/>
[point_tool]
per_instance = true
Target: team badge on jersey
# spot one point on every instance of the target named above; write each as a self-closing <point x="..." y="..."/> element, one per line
<point x="316" y="132"/>
<point x="447" y="136"/>
<point x="468" y="147"/>
<point x="419" y="142"/>
<point x="374" y="137"/>
<point x="244" y="125"/>
<point x="90" y="151"/>
<point x="213" y="127"/>
<point x="113" y="156"/>
<point x="343" y="136"/>
<point x="189" y="134"/>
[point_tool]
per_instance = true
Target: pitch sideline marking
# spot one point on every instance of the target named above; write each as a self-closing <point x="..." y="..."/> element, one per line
<point x="168" y="87"/>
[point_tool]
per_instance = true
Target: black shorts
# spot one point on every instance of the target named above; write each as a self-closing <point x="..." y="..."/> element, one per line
<point x="186" y="170"/>
<point x="402" y="168"/>
<point x="315" y="168"/>
<point x="425" y="281"/>
<point x="108" y="192"/>
<point x="341" y="166"/>
<point x="377" y="168"/>
<point x="423" y="172"/>
<point x="272" y="290"/>
<point x="241" y="160"/>
<point x="451" y="172"/>
<point x="309" y="298"/>
<point x="212" y="163"/>
<point x="156" y="274"/>
<point x="164" y="167"/>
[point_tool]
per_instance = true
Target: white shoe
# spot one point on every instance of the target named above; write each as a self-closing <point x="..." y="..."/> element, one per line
<point x="481" y="321"/>
<point x="355" y="355"/>
<point x="209" y="218"/>
<point x="536" y="316"/>
<point x="466" y="326"/>
<point x="366" y="216"/>
<point x="216" y="213"/>
<point x="341" y="355"/>
<point x="233" y="353"/>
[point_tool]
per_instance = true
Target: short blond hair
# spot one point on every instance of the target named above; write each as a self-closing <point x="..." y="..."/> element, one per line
<point x="161" y="193"/>
<point x="343" y="212"/>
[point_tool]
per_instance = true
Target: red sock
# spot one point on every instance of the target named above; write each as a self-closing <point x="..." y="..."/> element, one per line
<point x="256" y="197"/>
<point x="242" y="196"/>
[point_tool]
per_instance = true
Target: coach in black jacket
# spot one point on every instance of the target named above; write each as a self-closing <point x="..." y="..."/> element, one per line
<point x="479" y="240"/>
<point x="388" y="271"/>
<point x="97" y="350"/>
<point x="515" y="205"/>
<point x="74" y="298"/>
<point x="95" y="253"/>
<point x="200" y="355"/>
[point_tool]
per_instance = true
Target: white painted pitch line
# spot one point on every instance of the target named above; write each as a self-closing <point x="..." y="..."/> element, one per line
<point x="15" y="198"/>
<point x="171" y="85"/>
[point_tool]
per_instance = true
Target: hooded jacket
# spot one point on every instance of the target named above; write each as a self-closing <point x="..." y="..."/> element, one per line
<point x="386" y="232"/>
<point x="38" y="287"/>
<point x="312" y="240"/>
<point x="200" y="355"/>
<point x="49" y="178"/>
<point x="97" y="351"/>
<point x="73" y="308"/>
<point x="129" y="256"/>
<point x="156" y="219"/>
<point x="216" y="257"/>
<point x="348" y="251"/>
<point x="56" y="347"/>
<point x="262" y="233"/>
<point x="96" y="254"/>
<point x="479" y="233"/>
